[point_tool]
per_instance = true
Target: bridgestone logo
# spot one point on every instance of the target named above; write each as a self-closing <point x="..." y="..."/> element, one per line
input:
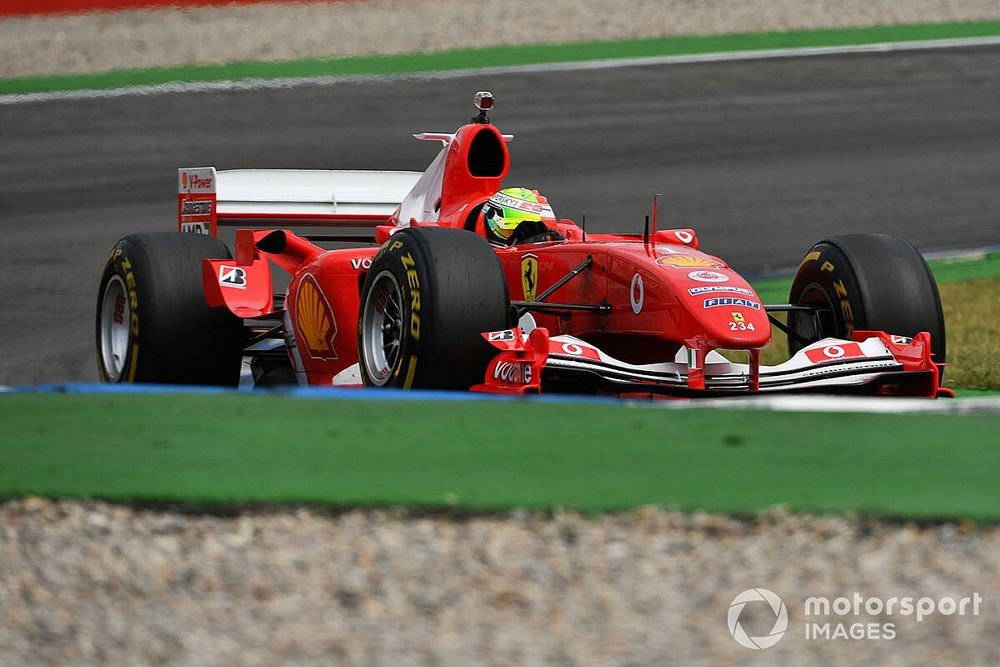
<point x="512" y="373"/>
<point x="197" y="208"/>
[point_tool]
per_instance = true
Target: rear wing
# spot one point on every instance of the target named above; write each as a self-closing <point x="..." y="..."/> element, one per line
<point x="208" y="199"/>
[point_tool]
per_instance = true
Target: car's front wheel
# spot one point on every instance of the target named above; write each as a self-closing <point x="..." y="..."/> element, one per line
<point x="428" y="297"/>
<point x="865" y="281"/>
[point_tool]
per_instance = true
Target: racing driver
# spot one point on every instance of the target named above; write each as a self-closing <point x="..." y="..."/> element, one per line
<point x="519" y="215"/>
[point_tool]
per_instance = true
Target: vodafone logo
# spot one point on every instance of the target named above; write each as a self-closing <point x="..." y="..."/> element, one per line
<point x="683" y="236"/>
<point x="637" y="294"/>
<point x="835" y="352"/>
<point x="577" y="350"/>
<point x="512" y="373"/>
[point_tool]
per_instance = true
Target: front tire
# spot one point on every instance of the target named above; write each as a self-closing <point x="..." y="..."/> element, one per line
<point x="428" y="297"/>
<point x="866" y="281"/>
<point x="153" y="324"/>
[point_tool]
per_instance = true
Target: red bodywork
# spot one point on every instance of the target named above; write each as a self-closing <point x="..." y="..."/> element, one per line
<point x="659" y="292"/>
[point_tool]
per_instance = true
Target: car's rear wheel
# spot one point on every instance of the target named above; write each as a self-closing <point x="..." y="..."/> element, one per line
<point x="428" y="297"/>
<point x="153" y="324"/>
<point x="865" y="281"/>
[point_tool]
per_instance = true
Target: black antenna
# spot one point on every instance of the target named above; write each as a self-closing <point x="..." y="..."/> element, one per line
<point x="584" y="227"/>
<point x="645" y="233"/>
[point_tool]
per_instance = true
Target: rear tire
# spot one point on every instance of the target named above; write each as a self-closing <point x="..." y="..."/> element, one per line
<point x="428" y="297"/>
<point x="153" y="324"/>
<point x="866" y="281"/>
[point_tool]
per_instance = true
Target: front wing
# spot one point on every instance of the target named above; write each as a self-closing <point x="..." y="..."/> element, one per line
<point x="872" y="363"/>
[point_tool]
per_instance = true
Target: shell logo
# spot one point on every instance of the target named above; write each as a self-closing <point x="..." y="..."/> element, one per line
<point x="688" y="262"/>
<point x="315" y="319"/>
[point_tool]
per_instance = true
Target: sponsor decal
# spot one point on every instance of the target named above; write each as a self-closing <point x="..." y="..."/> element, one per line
<point x="512" y="372"/>
<point x="119" y="315"/>
<point x="835" y="353"/>
<point x="811" y="257"/>
<point x="711" y="289"/>
<point x="315" y="319"/>
<point x="414" y="282"/>
<point x="358" y="263"/>
<point x="232" y="276"/>
<point x="688" y="262"/>
<point x="901" y="340"/>
<point x="715" y="302"/>
<point x="506" y="334"/>
<point x="196" y="227"/>
<point x="683" y="236"/>
<point x="197" y="180"/>
<point x="739" y="323"/>
<point x="133" y="295"/>
<point x="636" y="294"/>
<point x="845" y="306"/>
<point x="529" y="276"/>
<point x="708" y="277"/>
<point x="521" y="205"/>
<point x="197" y="207"/>
<point x="577" y="350"/>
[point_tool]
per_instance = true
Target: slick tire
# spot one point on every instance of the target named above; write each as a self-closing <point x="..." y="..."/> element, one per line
<point x="866" y="281"/>
<point x="153" y="324"/>
<point x="428" y="297"/>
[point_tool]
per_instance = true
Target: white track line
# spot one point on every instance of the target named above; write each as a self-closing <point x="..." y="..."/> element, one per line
<point x="294" y="82"/>
<point x="817" y="403"/>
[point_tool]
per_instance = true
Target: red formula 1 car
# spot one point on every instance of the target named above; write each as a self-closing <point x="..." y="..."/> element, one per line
<point x="414" y="296"/>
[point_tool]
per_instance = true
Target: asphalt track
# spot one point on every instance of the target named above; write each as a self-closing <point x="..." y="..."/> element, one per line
<point x="763" y="158"/>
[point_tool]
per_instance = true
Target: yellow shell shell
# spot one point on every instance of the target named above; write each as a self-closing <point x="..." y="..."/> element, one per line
<point x="313" y="316"/>
<point x="687" y="262"/>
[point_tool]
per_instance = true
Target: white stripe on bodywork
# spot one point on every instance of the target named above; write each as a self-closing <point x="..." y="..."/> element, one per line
<point x="819" y="403"/>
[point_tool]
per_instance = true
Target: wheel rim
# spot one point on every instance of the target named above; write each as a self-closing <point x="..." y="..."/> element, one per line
<point x="116" y="316"/>
<point x="382" y="329"/>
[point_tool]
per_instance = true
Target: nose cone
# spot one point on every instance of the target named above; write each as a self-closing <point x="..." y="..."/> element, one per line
<point x="733" y="321"/>
<point x="728" y="312"/>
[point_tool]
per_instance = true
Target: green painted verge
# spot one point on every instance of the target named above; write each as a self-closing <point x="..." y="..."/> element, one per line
<point x="495" y="455"/>
<point x="946" y="272"/>
<point x="501" y="57"/>
<point x="976" y="393"/>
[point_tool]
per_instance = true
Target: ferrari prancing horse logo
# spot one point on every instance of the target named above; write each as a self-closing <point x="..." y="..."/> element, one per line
<point x="529" y="276"/>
